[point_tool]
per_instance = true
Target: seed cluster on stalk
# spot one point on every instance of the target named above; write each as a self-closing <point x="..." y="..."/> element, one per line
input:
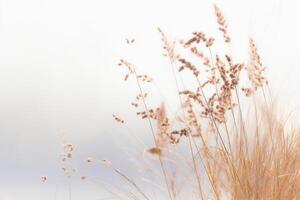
<point x="222" y="79"/>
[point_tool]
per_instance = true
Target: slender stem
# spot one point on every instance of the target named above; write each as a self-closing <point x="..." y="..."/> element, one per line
<point x="242" y="121"/>
<point x="153" y="134"/>
<point x="235" y="123"/>
<point x="217" y="92"/>
<point x="195" y="169"/>
<point x="256" y="121"/>
<point x="131" y="182"/>
<point x="219" y="134"/>
<point x="184" y="118"/>
<point x="217" y="128"/>
<point x="240" y="112"/>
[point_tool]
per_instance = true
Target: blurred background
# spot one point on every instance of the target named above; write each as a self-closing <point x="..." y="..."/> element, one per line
<point x="59" y="79"/>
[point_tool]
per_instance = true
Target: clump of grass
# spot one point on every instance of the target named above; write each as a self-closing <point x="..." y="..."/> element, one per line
<point x="230" y="155"/>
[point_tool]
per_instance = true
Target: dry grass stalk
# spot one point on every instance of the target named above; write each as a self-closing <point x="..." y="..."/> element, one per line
<point x="255" y="69"/>
<point x="222" y="23"/>
<point x="118" y="119"/>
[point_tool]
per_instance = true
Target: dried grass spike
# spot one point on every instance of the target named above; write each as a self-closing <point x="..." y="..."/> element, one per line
<point x="118" y="119"/>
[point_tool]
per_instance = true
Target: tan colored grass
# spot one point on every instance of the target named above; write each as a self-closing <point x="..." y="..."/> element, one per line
<point x="231" y="156"/>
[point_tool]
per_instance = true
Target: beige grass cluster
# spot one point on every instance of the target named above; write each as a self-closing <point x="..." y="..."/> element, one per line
<point x="232" y="156"/>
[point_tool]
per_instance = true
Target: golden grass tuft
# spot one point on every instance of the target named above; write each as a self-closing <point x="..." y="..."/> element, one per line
<point x="230" y="155"/>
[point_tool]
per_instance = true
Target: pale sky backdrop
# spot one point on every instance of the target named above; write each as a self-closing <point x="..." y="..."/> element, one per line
<point x="59" y="78"/>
